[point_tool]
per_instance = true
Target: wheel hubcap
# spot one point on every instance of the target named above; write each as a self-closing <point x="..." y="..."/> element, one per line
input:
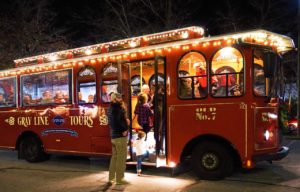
<point x="210" y="161"/>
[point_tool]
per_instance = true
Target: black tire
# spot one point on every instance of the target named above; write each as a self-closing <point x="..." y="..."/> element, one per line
<point x="212" y="161"/>
<point x="32" y="150"/>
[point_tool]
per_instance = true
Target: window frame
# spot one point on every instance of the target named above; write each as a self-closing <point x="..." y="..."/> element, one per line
<point x="252" y="70"/>
<point x="152" y="77"/>
<point x="241" y="73"/>
<point x="192" y="77"/>
<point x="102" y="79"/>
<point x="78" y="87"/>
<point x="70" y="82"/>
<point x="135" y="76"/>
<point x="15" y="104"/>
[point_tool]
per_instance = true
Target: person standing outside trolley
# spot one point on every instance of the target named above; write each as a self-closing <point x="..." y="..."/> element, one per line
<point x="118" y="129"/>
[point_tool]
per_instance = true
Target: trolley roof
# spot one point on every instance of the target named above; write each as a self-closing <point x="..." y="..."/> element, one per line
<point x="184" y="38"/>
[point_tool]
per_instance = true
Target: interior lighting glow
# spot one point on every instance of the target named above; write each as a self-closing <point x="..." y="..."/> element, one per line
<point x="161" y="161"/>
<point x="172" y="164"/>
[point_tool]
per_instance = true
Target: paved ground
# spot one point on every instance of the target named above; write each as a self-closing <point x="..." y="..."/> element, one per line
<point x="66" y="174"/>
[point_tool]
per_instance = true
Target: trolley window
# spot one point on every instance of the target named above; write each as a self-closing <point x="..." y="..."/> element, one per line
<point x="86" y="85"/>
<point x="192" y="76"/>
<point x="47" y="88"/>
<point x="8" y="92"/>
<point x="227" y="79"/>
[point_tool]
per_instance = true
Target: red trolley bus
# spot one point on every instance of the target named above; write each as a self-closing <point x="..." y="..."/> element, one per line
<point x="209" y="96"/>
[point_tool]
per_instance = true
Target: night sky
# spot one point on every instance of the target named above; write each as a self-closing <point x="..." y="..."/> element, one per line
<point x="42" y="26"/>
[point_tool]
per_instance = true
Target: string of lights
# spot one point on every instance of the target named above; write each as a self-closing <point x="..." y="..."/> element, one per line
<point x="143" y="46"/>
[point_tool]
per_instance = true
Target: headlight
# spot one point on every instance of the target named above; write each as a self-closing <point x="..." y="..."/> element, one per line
<point x="268" y="135"/>
<point x="272" y="116"/>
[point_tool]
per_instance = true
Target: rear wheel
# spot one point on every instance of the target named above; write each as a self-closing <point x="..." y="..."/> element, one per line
<point x="212" y="161"/>
<point x="32" y="150"/>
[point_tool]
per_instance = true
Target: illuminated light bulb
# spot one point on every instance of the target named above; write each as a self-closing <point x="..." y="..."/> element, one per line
<point x="185" y="35"/>
<point x="53" y="58"/>
<point x="88" y="52"/>
<point x="267" y="135"/>
<point x="132" y="44"/>
<point x="93" y="61"/>
<point x="74" y="64"/>
<point x="172" y="164"/>
<point x="249" y="163"/>
<point x="143" y="53"/>
<point x="80" y="64"/>
<point x="227" y="52"/>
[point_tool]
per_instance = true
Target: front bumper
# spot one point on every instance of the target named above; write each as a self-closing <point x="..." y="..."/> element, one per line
<point x="280" y="154"/>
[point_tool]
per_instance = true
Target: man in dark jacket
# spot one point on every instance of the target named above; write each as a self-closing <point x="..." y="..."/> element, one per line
<point x="118" y="130"/>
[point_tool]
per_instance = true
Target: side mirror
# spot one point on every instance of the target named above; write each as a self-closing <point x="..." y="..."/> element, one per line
<point x="270" y="60"/>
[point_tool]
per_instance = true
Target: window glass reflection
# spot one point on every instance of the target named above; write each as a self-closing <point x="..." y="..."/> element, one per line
<point x="7" y="92"/>
<point x="46" y="88"/>
<point x="192" y="76"/>
<point x="227" y="79"/>
<point x="87" y="85"/>
<point x="259" y="80"/>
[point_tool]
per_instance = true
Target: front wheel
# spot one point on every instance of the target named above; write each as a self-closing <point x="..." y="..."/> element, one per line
<point x="212" y="161"/>
<point x="32" y="150"/>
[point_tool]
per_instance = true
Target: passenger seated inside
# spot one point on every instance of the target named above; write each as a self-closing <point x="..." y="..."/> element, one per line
<point x="27" y="100"/>
<point x="235" y="90"/>
<point x="225" y="82"/>
<point x="46" y="97"/>
<point x="201" y="80"/>
<point x="91" y="99"/>
<point x="104" y="95"/>
<point x="59" y="98"/>
<point x="2" y="99"/>
<point x="80" y="100"/>
<point x="185" y="90"/>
